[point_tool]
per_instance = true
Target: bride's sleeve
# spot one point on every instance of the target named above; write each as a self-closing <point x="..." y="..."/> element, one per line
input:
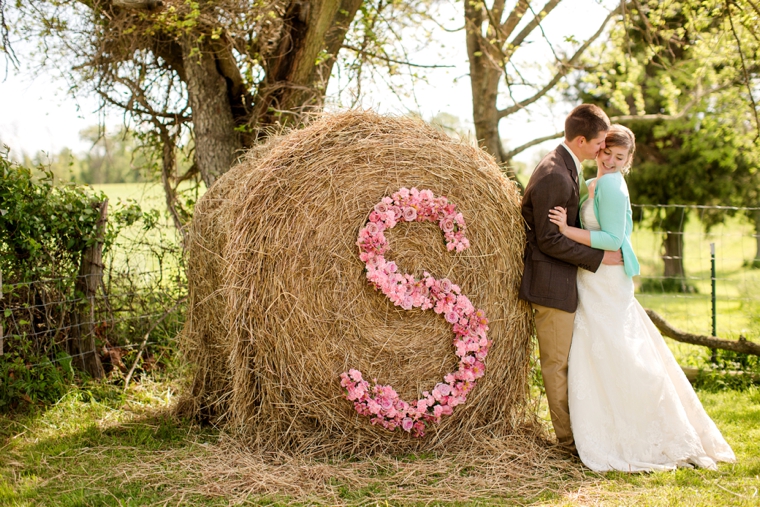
<point x="613" y="204"/>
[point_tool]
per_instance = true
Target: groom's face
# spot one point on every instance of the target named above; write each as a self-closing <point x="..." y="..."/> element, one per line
<point x="589" y="148"/>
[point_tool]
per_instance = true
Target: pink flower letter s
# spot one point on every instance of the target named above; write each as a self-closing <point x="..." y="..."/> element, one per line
<point x="381" y="403"/>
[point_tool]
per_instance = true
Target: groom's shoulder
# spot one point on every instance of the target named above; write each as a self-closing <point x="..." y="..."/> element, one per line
<point x="552" y="165"/>
<point x="553" y="160"/>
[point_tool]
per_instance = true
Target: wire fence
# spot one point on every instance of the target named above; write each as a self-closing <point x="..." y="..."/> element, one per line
<point x="668" y="236"/>
<point x="40" y="315"/>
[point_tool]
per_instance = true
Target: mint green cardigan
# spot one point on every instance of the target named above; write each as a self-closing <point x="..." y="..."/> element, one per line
<point x="612" y="208"/>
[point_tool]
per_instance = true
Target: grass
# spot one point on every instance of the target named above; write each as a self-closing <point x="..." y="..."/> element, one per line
<point x="99" y="446"/>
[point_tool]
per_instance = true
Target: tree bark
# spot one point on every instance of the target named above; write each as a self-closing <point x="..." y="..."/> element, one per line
<point x="485" y="75"/>
<point x="216" y="140"/>
<point x="673" y="257"/>
<point x="82" y="344"/>
<point x="294" y="81"/>
<point x="756" y="220"/>
<point x="742" y="345"/>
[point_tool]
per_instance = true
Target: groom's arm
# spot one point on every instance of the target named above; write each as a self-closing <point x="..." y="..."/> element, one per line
<point x="557" y="190"/>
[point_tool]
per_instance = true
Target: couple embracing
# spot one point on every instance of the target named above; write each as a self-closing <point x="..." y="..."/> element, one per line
<point x="616" y="395"/>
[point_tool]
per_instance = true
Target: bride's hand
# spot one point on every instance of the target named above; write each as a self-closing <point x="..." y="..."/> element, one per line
<point x="558" y="216"/>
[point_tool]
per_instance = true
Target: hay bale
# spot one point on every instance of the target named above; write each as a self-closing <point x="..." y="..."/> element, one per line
<point x="298" y="309"/>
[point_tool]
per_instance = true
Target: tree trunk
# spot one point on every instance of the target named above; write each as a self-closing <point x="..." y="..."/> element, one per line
<point x="214" y="127"/>
<point x="673" y="223"/>
<point x="673" y="257"/>
<point x="82" y="342"/>
<point x="756" y="220"/>
<point x="334" y="41"/>
<point x="295" y="80"/>
<point x="484" y="81"/>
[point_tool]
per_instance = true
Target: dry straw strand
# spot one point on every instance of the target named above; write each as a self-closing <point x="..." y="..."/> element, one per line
<point x="280" y="306"/>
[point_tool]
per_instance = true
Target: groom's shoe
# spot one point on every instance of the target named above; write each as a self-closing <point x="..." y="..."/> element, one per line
<point x="570" y="450"/>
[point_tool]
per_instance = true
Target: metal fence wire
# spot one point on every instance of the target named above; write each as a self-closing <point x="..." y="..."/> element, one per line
<point x="38" y="318"/>
<point x="38" y="315"/>
<point x="734" y="234"/>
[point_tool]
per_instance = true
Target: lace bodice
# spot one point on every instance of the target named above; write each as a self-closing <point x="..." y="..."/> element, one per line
<point x="588" y="217"/>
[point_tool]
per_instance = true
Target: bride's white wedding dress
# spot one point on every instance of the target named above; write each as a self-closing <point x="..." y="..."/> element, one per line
<point x="631" y="406"/>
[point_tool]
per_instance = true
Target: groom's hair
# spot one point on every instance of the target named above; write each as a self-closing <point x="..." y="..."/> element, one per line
<point x="586" y="120"/>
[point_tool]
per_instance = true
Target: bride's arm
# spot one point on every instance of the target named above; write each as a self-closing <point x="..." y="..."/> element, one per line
<point x="558" y="216"/>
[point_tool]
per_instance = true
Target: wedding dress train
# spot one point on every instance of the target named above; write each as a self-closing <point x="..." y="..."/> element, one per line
<point x="631" y="406"/>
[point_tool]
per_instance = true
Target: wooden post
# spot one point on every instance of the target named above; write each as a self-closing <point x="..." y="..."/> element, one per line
<point x="2" y="320"/>
<point x="82" y="342"/>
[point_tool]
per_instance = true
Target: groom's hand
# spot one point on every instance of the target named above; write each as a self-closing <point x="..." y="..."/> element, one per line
<point x="613" y="258"/>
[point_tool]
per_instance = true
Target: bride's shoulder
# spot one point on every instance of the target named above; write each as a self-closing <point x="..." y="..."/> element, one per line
<point x="612" y="182"/>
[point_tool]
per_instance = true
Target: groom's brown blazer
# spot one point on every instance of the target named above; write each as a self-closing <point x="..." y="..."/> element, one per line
<point x="551" y="259"/>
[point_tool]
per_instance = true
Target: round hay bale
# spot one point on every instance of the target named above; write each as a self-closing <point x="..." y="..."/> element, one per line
<point x="298" y="310"/>
<point x="204" y="340"/>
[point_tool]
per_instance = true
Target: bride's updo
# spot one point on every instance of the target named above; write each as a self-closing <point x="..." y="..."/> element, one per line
<point x="619" y="135"/>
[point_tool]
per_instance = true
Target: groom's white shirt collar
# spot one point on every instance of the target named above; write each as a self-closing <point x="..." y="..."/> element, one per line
<point x="575" y="159"/>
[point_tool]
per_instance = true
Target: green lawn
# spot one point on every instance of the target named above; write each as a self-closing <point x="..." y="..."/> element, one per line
<point x="99" y="447"/>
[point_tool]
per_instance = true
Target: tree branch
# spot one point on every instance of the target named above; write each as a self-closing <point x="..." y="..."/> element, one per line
<point x="514" y="18"/>
<point x="532" y="143"/>
<point x="742" y="345"/>
<point x="550" y="5"/>
<point x="622" y="118"/>
<point x="5" y="41"/>
<point x="363" y="52"/>
<point x="744" y="69"/>
<point x="563" y="70"/>
<point x="138" y="4"/>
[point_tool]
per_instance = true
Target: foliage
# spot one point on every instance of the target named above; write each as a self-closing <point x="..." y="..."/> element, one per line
<point x="44" y="230"/>
<point x="675" y="75"/>
<point x="43" y="227"/>
<point x="732" y="371"/>
<point x="111" y="158"/>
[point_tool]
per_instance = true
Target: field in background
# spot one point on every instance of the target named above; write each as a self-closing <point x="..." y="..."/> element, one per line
<point x="738" y="287"/>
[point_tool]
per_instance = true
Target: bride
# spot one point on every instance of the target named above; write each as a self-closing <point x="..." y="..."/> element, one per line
<point x="631" y="406"/>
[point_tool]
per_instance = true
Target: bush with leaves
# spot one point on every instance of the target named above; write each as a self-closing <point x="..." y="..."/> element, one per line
<point x="44" y="229"/>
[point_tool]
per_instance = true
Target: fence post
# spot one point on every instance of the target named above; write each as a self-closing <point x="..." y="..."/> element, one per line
<point x="2" y="320"/>
<point x="714" y="352"/>
<point x="82" y="343"/>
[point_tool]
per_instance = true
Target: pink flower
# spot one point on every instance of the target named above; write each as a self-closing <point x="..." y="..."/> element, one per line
<point x="372" y="229"/>
<point x="410" y="214"/>
<point x="444" y="389"/>
<point x="382" y="404"/>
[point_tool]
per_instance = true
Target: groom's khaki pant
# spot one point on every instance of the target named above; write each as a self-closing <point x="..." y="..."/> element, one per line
<point x="554" y="329"/>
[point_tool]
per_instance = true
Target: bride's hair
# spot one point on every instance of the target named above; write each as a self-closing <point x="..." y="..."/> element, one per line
<point x="618" y="135"/>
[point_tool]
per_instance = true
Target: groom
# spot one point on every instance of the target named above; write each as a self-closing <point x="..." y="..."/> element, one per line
<point x="552" y="260"/>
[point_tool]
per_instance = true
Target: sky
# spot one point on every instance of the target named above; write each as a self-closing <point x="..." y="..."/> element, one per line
<point x="38" y="114"/>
